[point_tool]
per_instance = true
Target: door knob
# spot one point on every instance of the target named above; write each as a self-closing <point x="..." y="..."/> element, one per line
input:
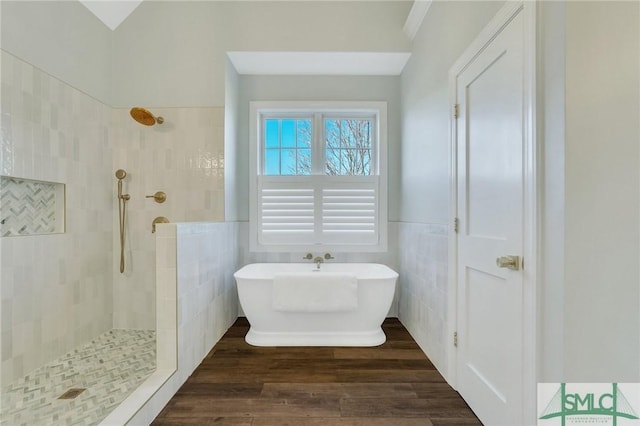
<point x="511" y="262"/>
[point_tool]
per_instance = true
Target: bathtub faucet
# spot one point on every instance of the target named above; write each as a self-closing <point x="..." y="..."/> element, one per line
<point x="318" y="260"/>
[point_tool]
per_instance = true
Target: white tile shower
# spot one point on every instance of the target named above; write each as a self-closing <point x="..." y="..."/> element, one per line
<point x="56" y="289"/>
<point x="182" y="157"/>
<point x="60" y="291"/>
<point x="109" y="368"/>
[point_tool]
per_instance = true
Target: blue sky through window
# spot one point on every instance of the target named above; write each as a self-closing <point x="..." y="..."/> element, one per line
<point x="287" y="146"/>
<point x="347" y="146"/>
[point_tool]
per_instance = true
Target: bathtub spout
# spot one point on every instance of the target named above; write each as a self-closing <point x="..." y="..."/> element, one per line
<point x="318" y="260"/>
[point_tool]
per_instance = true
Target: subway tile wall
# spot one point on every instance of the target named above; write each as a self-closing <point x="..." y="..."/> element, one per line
<point x="422" y="252"/>
<point x="59" y="291"/>
<point x="184" y="157"/>
<point x="207" y="257"/>
<point x="202" y="257"/>
<point x="56" y="290"/>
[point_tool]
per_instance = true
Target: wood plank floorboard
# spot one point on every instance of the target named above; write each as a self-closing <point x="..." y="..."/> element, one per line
<point x="393" y="384"/>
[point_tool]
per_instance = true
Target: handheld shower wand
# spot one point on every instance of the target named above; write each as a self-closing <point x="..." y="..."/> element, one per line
<point x="122" y="206"/>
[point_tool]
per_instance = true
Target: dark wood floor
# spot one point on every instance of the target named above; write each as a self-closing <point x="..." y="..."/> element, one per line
<point x="393" y="384"/>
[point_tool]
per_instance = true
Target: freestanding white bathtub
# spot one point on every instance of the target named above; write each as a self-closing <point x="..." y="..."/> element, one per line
<point x="352" y="320"/>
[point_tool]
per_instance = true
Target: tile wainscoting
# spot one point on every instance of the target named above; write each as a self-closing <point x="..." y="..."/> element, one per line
<point x="422" y="253"/>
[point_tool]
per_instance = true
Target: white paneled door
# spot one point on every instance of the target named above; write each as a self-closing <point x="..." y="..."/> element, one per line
<point x="490" y="129"/>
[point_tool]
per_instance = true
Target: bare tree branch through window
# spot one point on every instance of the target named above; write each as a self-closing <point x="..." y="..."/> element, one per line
<point x="347" y="147"/>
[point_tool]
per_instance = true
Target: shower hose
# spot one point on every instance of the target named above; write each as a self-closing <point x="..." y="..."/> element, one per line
<point x="122" y="206"/>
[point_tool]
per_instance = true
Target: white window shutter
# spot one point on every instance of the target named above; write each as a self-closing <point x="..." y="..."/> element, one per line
<point x="286" y="213"/>
<point x="350" y="213"/>
<point x="347" y="207"/>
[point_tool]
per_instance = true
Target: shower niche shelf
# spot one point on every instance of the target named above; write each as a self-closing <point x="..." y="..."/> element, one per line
<point x="31" y="207"/>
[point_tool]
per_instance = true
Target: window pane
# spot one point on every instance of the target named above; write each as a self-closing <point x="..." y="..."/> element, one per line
<point x="332" y="133"/>
<point x="344" y="166"/>
<point x="272" y="162"/>
<point x="287" y="146"/>
<point x="346" y="134"/>
<point x="304" y="133"/>
<point x="271" y="133"/>
<point x="355" y="162"/>
<point x="304" y="162"/>
<point x="288" y="133"/>
<point x="288" y="162"/>
<point x="348" y="147"/>
<point x="332" y="164"/>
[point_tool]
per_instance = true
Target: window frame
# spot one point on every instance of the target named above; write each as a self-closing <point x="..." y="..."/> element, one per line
<point x="375" y="110"/>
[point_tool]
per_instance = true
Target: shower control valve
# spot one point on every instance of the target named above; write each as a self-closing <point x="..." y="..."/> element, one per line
<point x="308" y="256"/>
<point x="158" y="197"/>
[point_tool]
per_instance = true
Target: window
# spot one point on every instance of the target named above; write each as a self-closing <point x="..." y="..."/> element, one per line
<point x="319" y="176"/>
<point x="287" y="147"/>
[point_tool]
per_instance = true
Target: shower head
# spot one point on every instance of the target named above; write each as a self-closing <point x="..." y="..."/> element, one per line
<point x="121" y="174"/>
<point x="144" y="116"/>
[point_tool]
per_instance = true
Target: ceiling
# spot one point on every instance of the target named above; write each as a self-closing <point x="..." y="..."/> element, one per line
<point x="111" y="12"/>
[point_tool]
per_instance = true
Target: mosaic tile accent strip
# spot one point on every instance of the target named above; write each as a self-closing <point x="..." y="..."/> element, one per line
<point x="110" y="367"/>
<point x="28" y="207"/>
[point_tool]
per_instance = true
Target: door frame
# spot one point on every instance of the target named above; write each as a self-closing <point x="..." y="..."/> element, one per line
<point x="531" y="216"/>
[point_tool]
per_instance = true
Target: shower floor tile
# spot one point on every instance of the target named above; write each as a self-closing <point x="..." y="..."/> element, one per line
<point x="110" y="367"/>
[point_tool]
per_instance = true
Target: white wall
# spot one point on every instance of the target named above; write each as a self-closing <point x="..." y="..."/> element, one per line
<point x="231" y="130"/>
<point x="602" y="192"/>
<point x="172" y="53"/>
<point x="64" y="39"/>
<point x="551" y="89"/>
<point x="446" y="31"/>
<point x="319" y="88"/>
